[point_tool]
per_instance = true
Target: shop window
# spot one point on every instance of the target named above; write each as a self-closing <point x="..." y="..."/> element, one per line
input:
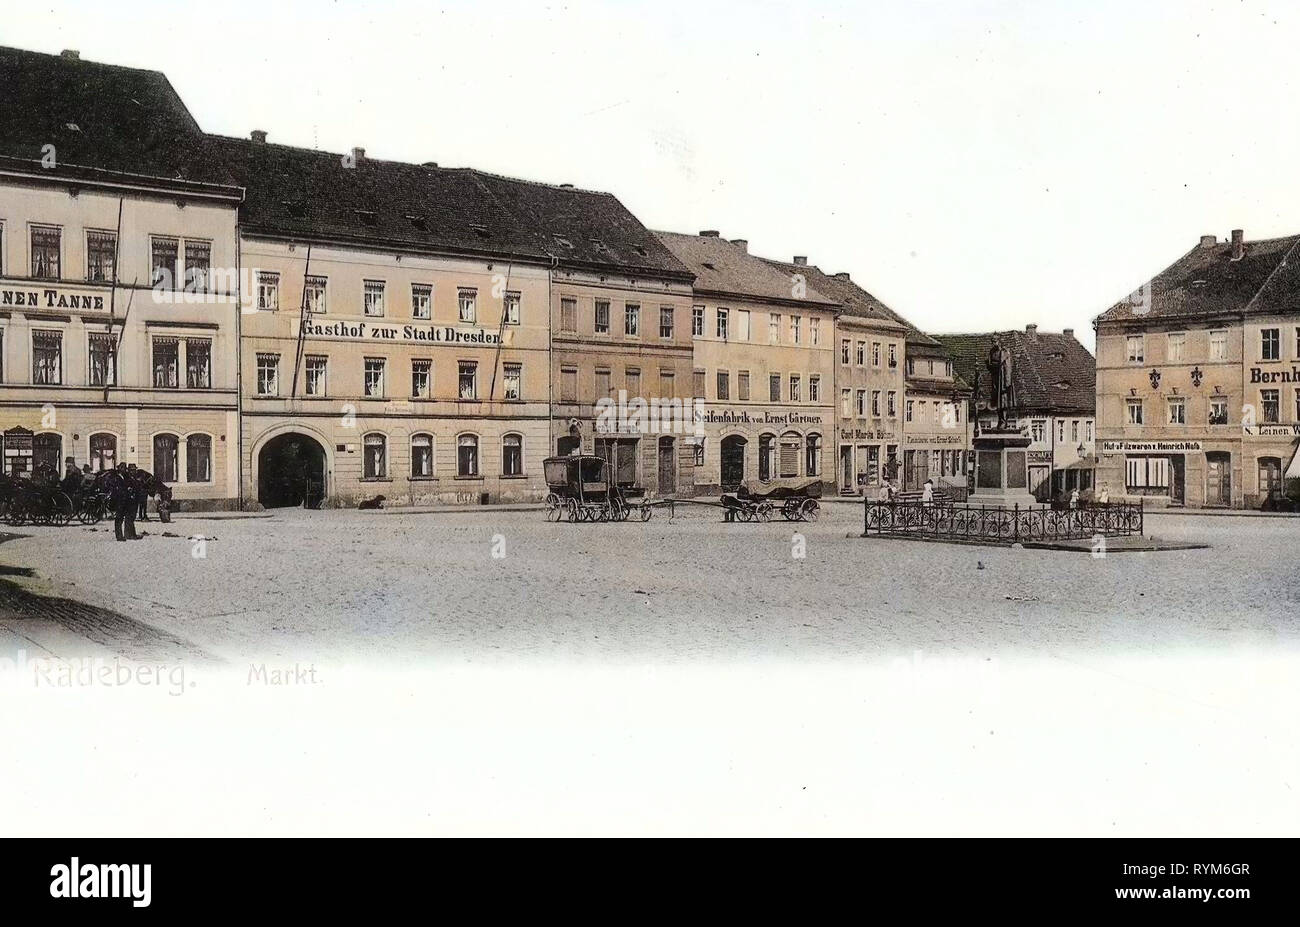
<point x="1270" y="475"/>
<point x="788" y="458"/>
<point x="47" y="453"/>
<point x="766" y="456"/>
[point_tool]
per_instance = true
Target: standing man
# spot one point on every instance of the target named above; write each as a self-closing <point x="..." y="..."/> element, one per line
<point x="122" y="493"/>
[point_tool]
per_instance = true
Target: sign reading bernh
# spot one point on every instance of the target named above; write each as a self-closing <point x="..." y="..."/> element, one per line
<point x="418" y="334"/>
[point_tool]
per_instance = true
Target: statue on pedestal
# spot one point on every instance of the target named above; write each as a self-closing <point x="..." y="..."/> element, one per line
<point x="1001" y="396"/>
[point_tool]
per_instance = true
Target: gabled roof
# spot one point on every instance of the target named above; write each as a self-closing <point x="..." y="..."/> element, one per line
<point x="1050" y="371"/>
<point x="856" y="301"/>
<point x="1207" y="283"/>
<point x="727" y="269"/>
<point x="99" y="116"/>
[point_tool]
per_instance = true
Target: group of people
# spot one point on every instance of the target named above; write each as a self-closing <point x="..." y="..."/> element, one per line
<point x="128" y="488"/>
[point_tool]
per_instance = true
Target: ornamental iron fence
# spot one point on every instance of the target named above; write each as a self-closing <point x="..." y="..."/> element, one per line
<point x="949" y="522"/>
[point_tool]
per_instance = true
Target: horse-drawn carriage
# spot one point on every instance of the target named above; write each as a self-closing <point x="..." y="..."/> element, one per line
<point x="793" y="500"/>
<point x="45" y="502"/>
<point x="581" y="487"/>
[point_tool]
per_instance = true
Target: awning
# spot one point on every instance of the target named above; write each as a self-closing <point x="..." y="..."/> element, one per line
<point x="1293" y="468"/>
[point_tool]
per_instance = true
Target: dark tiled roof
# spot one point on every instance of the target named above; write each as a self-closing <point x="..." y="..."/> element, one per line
<point x="725" y="268"/>
<point x="99" y="116"/>
<point x="1206" y="283"/>
<point x="309" y="193"/>
<point x="857" y="302"/>
<point x="1050" y="371"/>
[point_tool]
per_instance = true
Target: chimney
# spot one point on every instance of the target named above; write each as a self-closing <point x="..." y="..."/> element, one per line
<point x="842" y="275"/>
<point x="1238" y="245"/>
<point x="1031" y="330"/>
<point x="428" y="164"/>
<point x="358" y="155"/>
<point x="709" y="233"/>
<point x="258" y="135"/>
<point x="741" y="243"/>
<point x="71" y="53"/>
<point x="1068" y="332"/>
<point x="566" y="186"/>
<point x="801" y="260"/>
<point x="1208" y="241"/>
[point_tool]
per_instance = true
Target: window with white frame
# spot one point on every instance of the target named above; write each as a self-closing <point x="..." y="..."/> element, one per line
<point x="374" y="456"/>
<point x="893" y="354"/>
<point x="796" y="388"/>
<point x="373" y="298"/>
<point x="723" y="318"/>
<point x="1177" y="345"/>
<point x="1177" y="412"/>
<point x="467" y="455"/>
<point x="467" y="304"/>
<point x="268" y="291"/>
<point x="814" y="332"/>
<point x="1136" y="349"/>
<point x="421" y="456"/>
<point x="467" y="379"/>
<point x="1271" y="403"/>
<point x="198" y="363"/>
<point x="846" y="402"/>
<point x="314" y="294"/>
<point x="101" y="256"/>
<point x="166" y="362"/>
<point x="697" y="321"/>
<point x="510" y="307"/>
<point x="1270" y="344"/>
<point x="742" y="325"/>
<point x="198" y="266"/>
<point x="164" y="262"/>
<point x="1218" y="412"/>
<point x="875" y="403"/>
<point x="421" y="301"/>
<point x="512" y="378"/>
<point x="862" y="403"/>
<point x="1038" y="431"/>
<point x="568" y="314"/>
<point x="1135" y="413"/>
<point x="421" y="375"/>
<point x="47" y="249"/>
<point x="862" y="354"/>
<point x="875" y="354"/>
<point x="1218" y="345"/>
<point x="796" y="323"/>
<point x="814" y="388"/>
<point x="631" y="319"/>
<point x="198" y="459"/>
<point x="374" y="377"/>
<point x="601" y="318"/>
<point x="512" y="455"/>
<point x="892" y="404"/>
<point x="268" y="374"/>
<point x="317" y="366"/>
<point x="845" y="348"/>
<point x="909" y="410"/>
<point x="665" y="321"/>
<point x="101" y="349"/>
<point x="774" y="328"/>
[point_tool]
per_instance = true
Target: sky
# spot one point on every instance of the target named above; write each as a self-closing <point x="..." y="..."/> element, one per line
<point x="976" y="165"/>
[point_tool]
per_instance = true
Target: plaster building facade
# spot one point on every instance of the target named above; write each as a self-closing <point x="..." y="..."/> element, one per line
<point x="764" y="366"/>
<point x="1198" y="378"/>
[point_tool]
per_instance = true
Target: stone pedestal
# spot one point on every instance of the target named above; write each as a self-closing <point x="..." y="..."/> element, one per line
<point x="1002" y="470"/>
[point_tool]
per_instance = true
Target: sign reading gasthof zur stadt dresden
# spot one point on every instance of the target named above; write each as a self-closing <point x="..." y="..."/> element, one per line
<point x="418" y="334"/>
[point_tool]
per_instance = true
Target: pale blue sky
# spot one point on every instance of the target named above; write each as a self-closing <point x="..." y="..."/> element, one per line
<point x="976" y="165"/>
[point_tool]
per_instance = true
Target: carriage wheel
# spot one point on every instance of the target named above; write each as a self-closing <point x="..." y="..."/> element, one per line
<point x="764" y="512"/>
<point x="17" y="515"/>
<point x="646" y="512"/>
<point x="61" y="509"/>
<point x="809" y="510"/>
<point x="552" y="507"/>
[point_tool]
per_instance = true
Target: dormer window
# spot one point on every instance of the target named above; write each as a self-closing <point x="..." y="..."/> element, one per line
<point x="367" y="217"/>
<point x="481" y="231"/>
<point x="562" y="241"/>
<point x="418" y="223"/>
<point x="297" y="208"/>
<point x="598" y="245"/>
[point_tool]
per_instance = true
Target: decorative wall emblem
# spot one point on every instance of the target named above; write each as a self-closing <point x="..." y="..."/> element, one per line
<point x="1197" y="374"/>
<point x="1155" y="378"/>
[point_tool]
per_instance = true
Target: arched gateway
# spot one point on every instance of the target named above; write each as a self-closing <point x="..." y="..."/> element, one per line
<point x="291" y="471"/>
